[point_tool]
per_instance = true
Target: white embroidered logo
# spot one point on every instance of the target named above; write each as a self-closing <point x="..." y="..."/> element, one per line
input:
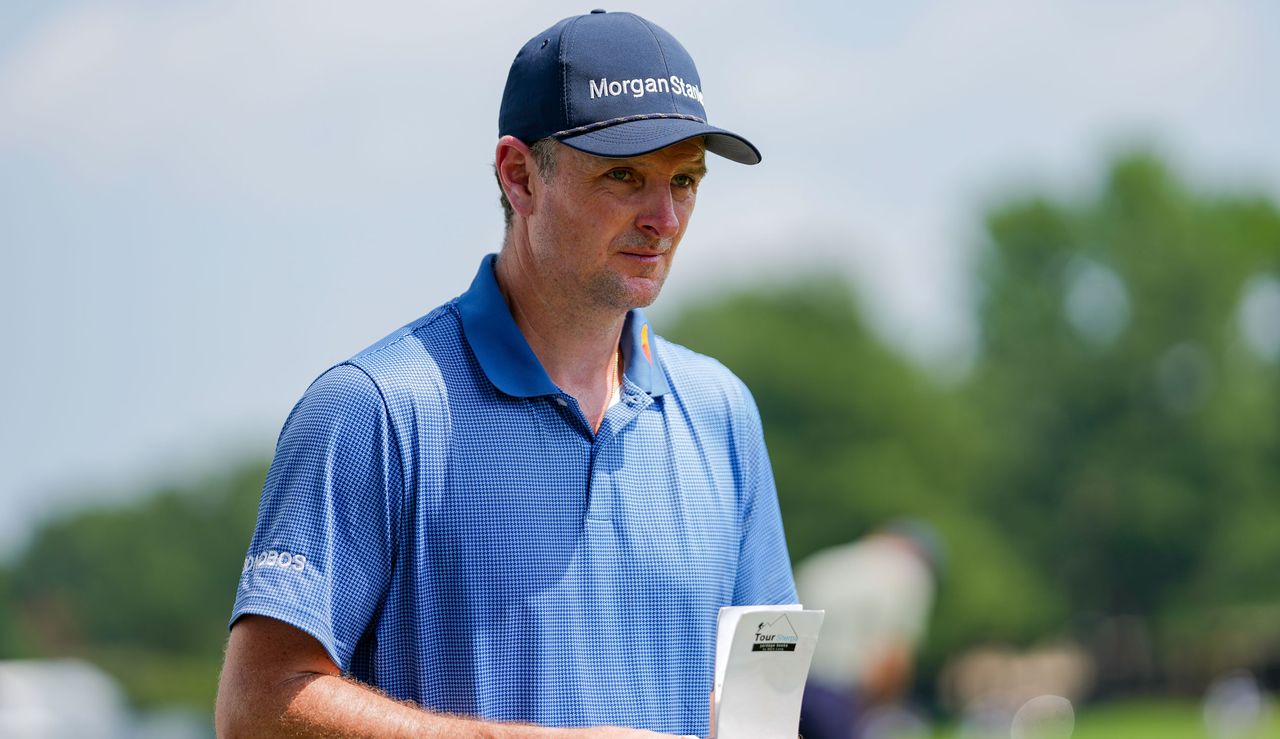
<point x="272" y="558"/>
<point x="638" y="87"/>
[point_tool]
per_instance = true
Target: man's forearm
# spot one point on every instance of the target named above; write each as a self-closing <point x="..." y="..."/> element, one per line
<point x="278" y="681"/>
<point x="328" y="705"/>
<point x="318" y="705"/>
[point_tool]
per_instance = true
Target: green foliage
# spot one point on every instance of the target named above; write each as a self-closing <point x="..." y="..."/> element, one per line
<point x="143" y="590"/>
<point x="1138" y="437"/>
<point x="10" y="636"/>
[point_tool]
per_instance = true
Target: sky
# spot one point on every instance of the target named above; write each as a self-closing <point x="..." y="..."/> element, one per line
<point x="205" y="204"/>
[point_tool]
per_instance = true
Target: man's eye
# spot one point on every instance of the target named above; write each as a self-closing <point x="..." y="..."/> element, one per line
<point x="683" y="180"/>
<point x="621" y="175"/>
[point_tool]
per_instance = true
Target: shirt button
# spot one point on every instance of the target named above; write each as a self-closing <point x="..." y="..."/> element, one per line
<point x="561" y="402"/>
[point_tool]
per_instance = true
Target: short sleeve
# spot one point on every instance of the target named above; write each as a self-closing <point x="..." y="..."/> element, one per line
<point x="764" y="567"/>
<point x="321" y="553"/>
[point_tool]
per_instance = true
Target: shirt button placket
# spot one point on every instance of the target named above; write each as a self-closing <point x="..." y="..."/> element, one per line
<point x="599" y="487"/>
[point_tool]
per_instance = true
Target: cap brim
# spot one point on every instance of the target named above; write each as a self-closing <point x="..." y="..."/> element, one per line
<point x="634" y="138"/>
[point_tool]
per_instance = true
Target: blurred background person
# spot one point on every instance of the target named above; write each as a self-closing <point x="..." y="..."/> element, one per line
<point x="877" y="592"/>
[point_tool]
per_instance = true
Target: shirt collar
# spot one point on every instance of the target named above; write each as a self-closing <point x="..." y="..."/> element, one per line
<point x="509" y="363"/>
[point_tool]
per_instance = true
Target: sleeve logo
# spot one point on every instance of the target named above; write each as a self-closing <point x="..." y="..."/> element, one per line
<point x="273" y="558"/>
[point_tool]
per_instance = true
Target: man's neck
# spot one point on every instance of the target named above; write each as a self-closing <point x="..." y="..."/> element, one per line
<point x="576" y="344"/>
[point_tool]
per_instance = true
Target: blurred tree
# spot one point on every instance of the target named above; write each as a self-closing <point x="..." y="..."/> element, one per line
<point x="145" y="590"/>
<point x="11" y="642"/>
<point x="1137" y="435"/>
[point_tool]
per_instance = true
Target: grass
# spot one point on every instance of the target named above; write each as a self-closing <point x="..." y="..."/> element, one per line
<point x="1156" y="720"/>
<point x="1150" y="719"/>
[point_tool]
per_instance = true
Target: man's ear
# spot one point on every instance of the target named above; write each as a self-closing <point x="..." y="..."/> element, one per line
<point x="516" y="168"/>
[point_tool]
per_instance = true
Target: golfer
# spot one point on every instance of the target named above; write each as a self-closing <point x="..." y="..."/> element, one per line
<point x="518" y="515"/>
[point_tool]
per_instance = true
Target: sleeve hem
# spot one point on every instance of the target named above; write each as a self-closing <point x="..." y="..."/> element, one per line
<point x="304" y="621"/>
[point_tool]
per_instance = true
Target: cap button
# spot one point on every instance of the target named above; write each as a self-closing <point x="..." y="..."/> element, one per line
<point x="598" y="10"/>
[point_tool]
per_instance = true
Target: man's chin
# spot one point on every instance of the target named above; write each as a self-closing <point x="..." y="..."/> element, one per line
<point x="645" y="290"/>
<point x="632" y="292"/>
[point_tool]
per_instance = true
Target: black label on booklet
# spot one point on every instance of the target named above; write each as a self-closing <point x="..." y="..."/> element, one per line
<point x="773" y="647"/>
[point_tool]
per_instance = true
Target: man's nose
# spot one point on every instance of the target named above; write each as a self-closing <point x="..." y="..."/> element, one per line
<point x="658" y="217"/>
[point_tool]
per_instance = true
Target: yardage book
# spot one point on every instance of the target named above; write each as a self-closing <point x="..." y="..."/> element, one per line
<point x="762" y="661"/>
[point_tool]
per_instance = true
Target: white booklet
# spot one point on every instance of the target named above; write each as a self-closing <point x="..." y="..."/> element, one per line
<point x="762" y="662"/>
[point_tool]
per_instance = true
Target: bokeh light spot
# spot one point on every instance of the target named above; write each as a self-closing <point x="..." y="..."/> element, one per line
<point x="1095" y="301"/>
<point x="1259" y="316"/>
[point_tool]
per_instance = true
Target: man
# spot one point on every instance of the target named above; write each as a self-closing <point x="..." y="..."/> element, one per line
<point x="524" y="510"/>
<point x="877" y="592"/>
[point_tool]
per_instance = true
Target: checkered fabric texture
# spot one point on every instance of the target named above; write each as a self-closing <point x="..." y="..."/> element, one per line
<point x="486" y="554"/>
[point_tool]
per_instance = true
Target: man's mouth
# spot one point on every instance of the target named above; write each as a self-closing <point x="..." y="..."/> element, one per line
<point x="647" y="251"/>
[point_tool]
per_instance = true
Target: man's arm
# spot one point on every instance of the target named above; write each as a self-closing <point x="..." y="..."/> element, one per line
<point x="278" y="681"/>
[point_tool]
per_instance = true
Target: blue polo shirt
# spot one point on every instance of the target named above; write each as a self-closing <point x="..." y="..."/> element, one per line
<point x="441" y="517"/>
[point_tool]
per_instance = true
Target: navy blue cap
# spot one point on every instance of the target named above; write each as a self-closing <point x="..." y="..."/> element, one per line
<point x="613" y="85"/>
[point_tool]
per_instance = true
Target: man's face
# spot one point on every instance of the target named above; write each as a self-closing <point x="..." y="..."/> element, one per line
<point x="605" y="231"/>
